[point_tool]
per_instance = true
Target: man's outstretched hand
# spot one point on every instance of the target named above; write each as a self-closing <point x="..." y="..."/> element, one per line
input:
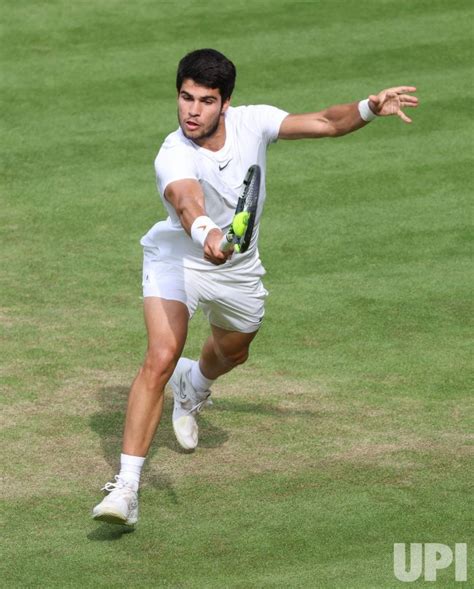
<point x="391" y="101"/>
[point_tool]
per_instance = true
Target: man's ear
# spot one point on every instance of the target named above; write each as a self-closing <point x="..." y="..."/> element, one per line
<point x="226" y="104"/>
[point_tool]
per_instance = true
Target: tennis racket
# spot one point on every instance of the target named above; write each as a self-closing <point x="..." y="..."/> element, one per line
<point x="241" y="229"/>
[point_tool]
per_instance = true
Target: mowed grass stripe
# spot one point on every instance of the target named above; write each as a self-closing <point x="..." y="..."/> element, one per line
<point x="110" y="30"/>
<point x="115" y="61"/>
<point x="230" y="536"/>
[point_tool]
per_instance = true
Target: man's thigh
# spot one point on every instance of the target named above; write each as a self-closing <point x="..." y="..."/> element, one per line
<point x="167" y="326"/>
<point x="233" y="301"/>
<point x="168" y="281"/>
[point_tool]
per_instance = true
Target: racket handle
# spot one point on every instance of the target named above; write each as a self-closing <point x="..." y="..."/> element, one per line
<point x="226" y="242"/>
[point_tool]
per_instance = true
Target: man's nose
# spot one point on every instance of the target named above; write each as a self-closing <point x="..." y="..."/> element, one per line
<point x="195" y="109"/>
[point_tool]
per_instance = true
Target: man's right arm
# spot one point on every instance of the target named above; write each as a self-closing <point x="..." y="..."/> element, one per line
<point x="187" y="198"/>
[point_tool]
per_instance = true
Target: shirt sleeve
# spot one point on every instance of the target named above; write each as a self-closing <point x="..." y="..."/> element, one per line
<point x="267" y="120"/>
<point x="174" y="163"/>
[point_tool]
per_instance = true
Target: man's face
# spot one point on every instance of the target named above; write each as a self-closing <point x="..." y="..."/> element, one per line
<point x="200" y="110"/>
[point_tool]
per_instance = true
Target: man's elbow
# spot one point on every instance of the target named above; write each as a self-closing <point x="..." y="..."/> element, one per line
<point x="327" y="128"/>
<point x="334" y="131"/>
<point x="337" y="131"/>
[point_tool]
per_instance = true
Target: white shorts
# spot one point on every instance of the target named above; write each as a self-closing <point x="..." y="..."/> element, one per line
<point x="229" y="300"/>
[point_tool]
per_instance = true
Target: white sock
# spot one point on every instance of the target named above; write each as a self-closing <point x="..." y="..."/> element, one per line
<point x="130" y="469"/>
<point x="198" y="380"/>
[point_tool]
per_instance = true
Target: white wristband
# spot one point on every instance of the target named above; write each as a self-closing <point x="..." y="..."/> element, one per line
<point x="200" y="228"/>
<point x="366" y="113"/>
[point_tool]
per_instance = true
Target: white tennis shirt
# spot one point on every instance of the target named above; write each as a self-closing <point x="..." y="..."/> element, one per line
<point x="249" y="132"/>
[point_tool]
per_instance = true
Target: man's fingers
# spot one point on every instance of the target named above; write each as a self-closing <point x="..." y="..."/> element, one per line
<point x="406" y="99"/>
<point x="217" y="261"/>
<point x="401" y="89"/>
<point x="218" y="257"/>
<point x="403" y="116"/>
<point x="392" y="100"/>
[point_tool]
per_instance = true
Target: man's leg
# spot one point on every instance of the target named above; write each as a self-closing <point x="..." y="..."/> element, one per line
<point x="167" y="323"/>
<point x="223" y="351"/>
<point x="191" y="380"/>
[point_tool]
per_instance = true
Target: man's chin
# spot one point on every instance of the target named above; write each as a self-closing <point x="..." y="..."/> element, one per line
<point x="193" y="135"/>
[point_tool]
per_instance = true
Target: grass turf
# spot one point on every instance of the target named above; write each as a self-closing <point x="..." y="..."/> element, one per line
<point x="349" y="428"/>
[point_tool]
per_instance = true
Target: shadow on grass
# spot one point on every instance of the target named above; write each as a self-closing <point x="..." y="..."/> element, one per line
<point x="109" y="421"/>
<point x="267" y="409"/>
<point x="108" y="533"/>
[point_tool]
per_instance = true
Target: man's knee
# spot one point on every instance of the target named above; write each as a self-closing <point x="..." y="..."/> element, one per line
<point x="233" y="358"/>
<point x="159" y="365"/>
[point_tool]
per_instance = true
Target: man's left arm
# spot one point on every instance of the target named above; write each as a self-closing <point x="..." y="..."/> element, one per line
<point x="339" y="120"/>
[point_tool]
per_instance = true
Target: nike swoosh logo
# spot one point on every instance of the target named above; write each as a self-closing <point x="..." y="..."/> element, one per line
<point x="224" y="166"/>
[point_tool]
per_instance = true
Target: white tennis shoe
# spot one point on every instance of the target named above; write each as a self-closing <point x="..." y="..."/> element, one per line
<point x="120" y="506"/>
<point x="187" y="404"/>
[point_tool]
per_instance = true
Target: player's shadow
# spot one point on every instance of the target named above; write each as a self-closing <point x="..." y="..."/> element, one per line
<point x="264" y="408"/>
<point x="109" y="421"/>
<point x="108" y="533"/>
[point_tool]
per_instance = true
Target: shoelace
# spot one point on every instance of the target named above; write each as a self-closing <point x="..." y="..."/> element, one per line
<point x="119" y="484"/>
<point x="197" y="408"/>
<point x="200" y="404"/>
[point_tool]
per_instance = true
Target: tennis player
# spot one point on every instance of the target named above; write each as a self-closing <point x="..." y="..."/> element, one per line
<point x="200" y="170"/>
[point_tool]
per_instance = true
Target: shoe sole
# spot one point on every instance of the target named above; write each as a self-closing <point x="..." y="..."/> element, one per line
<point x="112" y="518"/>
<point x="181" y="442"/>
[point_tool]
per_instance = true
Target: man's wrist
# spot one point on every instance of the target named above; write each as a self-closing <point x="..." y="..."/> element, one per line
<point x="366" y="113"/>
<point x="200" y="229"/>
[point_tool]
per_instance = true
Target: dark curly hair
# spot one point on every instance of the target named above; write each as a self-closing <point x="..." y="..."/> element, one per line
<point x="209" y="68"/>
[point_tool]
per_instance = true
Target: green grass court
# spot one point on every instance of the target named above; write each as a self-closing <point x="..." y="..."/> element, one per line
<point x="350" y="428"/>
